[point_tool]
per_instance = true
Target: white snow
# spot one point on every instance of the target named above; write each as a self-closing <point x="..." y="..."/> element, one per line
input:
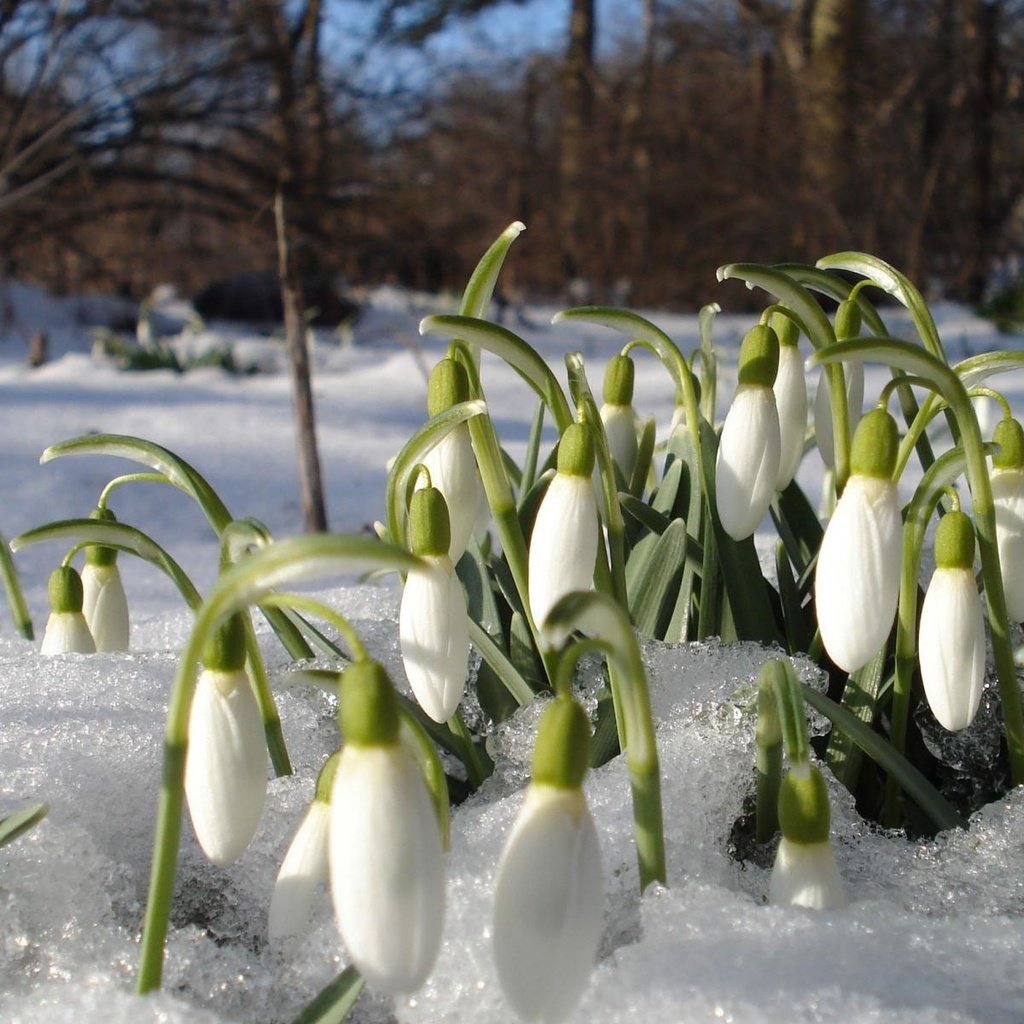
<point x="934" y="929"/>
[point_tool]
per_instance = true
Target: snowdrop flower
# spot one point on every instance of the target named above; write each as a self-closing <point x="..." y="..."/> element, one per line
<point x="305" y="866"/>
<point x="951" y="641"/>
<point x="847" y="326"/>
<point x="226" y="759"/>
<point x="750" y="446"/>
<point x="1008" y="498"/>
<point x="857" y="582"/>
<point x="433" y="625"/>
<point x="549" y="893"/>
<point x="790" y="389"/>
<point x="386" y="859"/>
<point x="805" y="873"/>
<point x="66" y="628"/>
<point x="563" y="545"/>
<point x="104" y="604"/>
<point x="617" y="414"/>
<point x="451" y="462"/>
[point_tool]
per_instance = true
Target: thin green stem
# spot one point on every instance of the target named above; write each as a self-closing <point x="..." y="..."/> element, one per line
<point x="475" y="768"/>
<point x="130" y="478"/>
<point x="15" y="595"/>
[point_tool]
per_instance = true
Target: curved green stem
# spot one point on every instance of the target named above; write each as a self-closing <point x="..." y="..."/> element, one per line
<point x="130" y="478"/>
<point x="599" y="615"/>
<point x="15" y="595"/>
<point x="114" y="535"/>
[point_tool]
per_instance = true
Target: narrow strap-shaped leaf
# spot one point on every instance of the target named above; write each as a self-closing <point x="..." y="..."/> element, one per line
<point x="529" y="471"/>
<point x="15" y="595"/>
<point x="797" y="525"/>
<point x="860" y="698"/>
<point x="500" y="665"/>
<point x="921" y="791"/>
<point x="644" y="458"/>
<point x="792" y="606"/>
<point x="652" y="596"/>
<point x="477" y="296"/>
<point x="333" y="1002"/>
<point x="20" y="822"/>
<point x="975" y="369"/>
<point x="708" y="360"/>
<point x="655" y="521"/>
<point x="510" y="347"/>
<point x="177" y="471"/>
<point x="894" y="283"/>
<point x="113" y="535"/>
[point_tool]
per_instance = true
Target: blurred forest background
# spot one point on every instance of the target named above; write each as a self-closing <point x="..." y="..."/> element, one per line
<point x="145" y="141"/>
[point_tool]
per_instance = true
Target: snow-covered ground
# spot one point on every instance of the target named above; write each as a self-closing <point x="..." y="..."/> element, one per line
<point x="933" y="932"/>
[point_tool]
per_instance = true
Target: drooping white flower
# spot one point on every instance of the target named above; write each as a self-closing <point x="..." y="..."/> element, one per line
<point x="66" y="629"/>
<point x="433" y="624"/>
<point x="1008" y="498"/>
<point x="451" y="462"/>
<point x="303" y="871"/>
<point x="791" y="401"/>
<point x="617" y="413"/>
<point x="549" y="893"/>
<point x="563" y="545"/>
<point x="386" y="858"/>
<point x="226" y="759"/>
<point x="749" y="449"/>
<point x="105" y="606"/>
<point x="805" y="873"/>
<point x="951" y="640"/>
<point x="847" y="326"/>
<point x="857" y="581"/>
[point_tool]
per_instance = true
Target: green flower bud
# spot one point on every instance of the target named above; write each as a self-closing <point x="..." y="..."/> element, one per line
<point x="225" y="650"/>
<point x="430" y="531"/>
<point x="448" y="385"/>
<point x="804" y="813"/>
<point x="100" y="554"/>
<point x="787" y="331"/>
<point x="618" y="381"/>
<point x="847" y="320"/>
<point x="561" y="755"/>
<point x="1010" y="437"/>
<point x="65" y="590"/>
<point x="875" y="445"/>
<point x="759" y="357"/>
<point x="368" y="713"/>
<point x="954" y="541"/>
<point x="576" y="451"/>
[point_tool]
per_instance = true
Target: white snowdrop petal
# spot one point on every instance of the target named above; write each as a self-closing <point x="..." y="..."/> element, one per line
<point x="548" y="905"/>
<point x="1008" y="499"/>
<point x="563" y="546"/>
<point x="951" y="647"/>
<point x="620" y="428"/>
<point x="303" y="871"/>
<point x="453" y="471"/>
<point x="105" y="606"/>
<point x="226" y="764"/>
<point x="386" y="867"/>
<point x="856" y="586"/>
<point x="434" y="636"/>
<point x="748" y="461"/>
<point x="67" y="633"/>
<point x="806" y="875"/>
<point x="791" y="401"/>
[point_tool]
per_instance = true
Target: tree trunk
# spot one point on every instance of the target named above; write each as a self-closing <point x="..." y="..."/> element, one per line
<point x="575" y="212"/>
<point x="310" y="482"/>
<point x="836" y="43"/>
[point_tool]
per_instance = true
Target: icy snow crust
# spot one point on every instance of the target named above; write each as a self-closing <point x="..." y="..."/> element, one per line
<point x="934" y="930"/>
